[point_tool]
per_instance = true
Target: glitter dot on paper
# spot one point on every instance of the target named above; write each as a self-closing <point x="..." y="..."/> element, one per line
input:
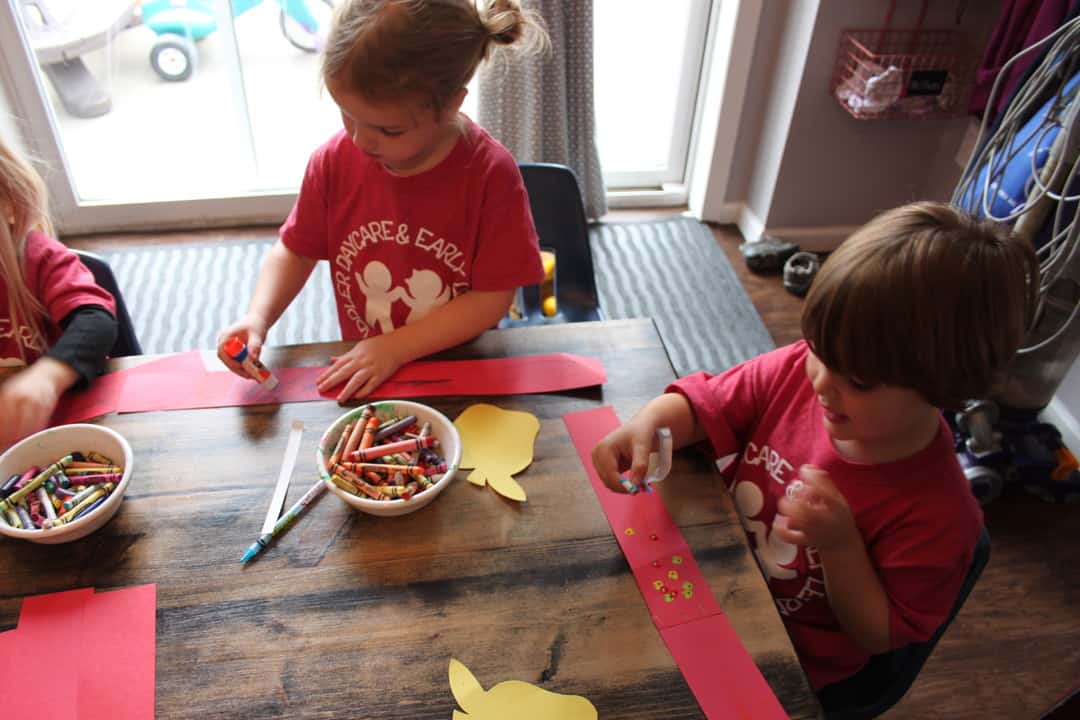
<point x="688" y="594"/>
<point x="654" y="536"/>
<point x="688" y="585"/>
<point x="673" y="574"/>
<point x="663" y="588"/>
<point x="669" y="597"/>
<point x="657" y="585"/>
<point x="629" y="531"/>
<point x="676" y="559"/>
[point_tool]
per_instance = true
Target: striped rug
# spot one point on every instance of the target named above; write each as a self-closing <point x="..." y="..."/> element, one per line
<point x="671" y="270"/>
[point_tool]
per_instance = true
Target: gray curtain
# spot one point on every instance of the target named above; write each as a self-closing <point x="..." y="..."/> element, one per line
<point x="541" y="106"/>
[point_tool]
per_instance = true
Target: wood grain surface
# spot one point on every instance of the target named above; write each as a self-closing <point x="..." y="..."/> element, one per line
<point x="352" y="616"/>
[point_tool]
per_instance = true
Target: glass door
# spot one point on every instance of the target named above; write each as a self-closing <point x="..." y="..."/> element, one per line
<point x="146" y="110"/>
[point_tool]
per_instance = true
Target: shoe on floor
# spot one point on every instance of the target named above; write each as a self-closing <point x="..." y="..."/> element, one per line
<point x="800" y="271"/>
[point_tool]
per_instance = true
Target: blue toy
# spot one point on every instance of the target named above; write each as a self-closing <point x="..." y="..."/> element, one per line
<point x="180" y="23"/>
<point x="999" y="446"/>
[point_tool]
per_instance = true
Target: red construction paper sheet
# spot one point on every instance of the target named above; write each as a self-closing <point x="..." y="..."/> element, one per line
<point x="84" y="656"/>
<point x="720" y="672"/>
<point x="165" y="388"/>
<point x="119" y="643"/>
<point x="50" y="627"/>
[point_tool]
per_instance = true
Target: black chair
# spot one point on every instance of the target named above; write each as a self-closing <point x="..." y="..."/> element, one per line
<point x="887" y="677"/>
<point x="127" y="342"/>
<point x="559" y="215"/>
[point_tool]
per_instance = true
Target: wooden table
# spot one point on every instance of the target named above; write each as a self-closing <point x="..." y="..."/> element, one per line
<point x="352" y="616"/>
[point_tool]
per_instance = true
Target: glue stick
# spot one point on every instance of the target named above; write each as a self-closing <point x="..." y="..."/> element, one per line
<point x="237" y="350"/>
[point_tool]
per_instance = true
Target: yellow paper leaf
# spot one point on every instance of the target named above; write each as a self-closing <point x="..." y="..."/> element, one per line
<point x="498" y="443"/>
<point x="476" y="477"/>
<point x="508" y="487"/>
<point x="513" y="699"/>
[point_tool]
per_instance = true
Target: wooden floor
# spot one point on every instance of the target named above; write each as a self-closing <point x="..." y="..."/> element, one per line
<point x="1014" y="650"/>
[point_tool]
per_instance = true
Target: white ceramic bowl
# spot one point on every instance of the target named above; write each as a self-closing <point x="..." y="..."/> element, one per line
<point x="441" y="427"/>
<point x="48" y="446"/>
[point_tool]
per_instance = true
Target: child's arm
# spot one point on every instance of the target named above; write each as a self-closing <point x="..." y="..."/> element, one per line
<point x="628" y="447"/>
<point x="370" y="362"/>
<point x="820" y="516"/>
<point x="29" y="397"/>
<point x="281" y="278"/>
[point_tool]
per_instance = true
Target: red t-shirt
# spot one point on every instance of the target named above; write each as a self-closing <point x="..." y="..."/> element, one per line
<point x="917" y="516"/>
<point x="400" y="246"/>
<point x="59" y="280"/>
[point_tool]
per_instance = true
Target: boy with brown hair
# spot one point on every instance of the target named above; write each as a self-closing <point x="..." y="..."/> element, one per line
<point x="846" y="479"/>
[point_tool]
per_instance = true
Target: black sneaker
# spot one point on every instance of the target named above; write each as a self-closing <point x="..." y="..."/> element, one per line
<point x="767" y="254"/>
<point x="799" y="272"/>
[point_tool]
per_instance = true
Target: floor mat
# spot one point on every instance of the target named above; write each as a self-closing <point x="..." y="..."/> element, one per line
<point x="673" y="271"/>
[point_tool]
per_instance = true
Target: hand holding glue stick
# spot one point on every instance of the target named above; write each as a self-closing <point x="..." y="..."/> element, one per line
<point x="235" y="348"/>
<point x="663" y="465"/>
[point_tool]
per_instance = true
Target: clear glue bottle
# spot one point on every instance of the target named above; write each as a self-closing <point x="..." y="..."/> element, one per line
<point x="237" y="350"/>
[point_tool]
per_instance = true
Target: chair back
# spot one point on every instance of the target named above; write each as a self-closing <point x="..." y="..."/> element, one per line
<point x="887" y="677"/>
<point x="559" y="215"/>
<point x="127" y="342"/>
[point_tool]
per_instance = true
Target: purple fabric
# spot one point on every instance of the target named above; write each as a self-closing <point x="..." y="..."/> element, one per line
<point x="1022" y="24"/>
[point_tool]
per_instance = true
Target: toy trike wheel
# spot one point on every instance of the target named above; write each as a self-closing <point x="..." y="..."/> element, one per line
<point x="173" y="57"/>
<point x="296" y="23"/>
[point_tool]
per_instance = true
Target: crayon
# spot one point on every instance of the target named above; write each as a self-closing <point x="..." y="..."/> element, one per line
<point x="377" y="451"/>
<point x="294" y="512"/>
<point x="13" y="519"/>
<point x="368" y="437"/>
<point x="79" y="497"/>
<point x="393" y="427"/>
<point x="357" y="430"/>
<point x="97" y="503"/>
<point x="66" y="517"/>
<point x="336" y="455"/>
<point x="17" y="496"/>
<point x="47" y="503"/>
<point x="9" y="485"/>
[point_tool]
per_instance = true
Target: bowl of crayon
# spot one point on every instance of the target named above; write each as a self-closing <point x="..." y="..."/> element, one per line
<point x="63" y="483"/>
<point x="389" y="458"/>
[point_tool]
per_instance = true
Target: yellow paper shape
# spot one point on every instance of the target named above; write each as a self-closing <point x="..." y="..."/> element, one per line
<point x="497" y="443"/>
<point x="512" y="699"/>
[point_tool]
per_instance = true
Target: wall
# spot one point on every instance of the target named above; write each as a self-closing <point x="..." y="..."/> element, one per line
<point x="808" y="171"/>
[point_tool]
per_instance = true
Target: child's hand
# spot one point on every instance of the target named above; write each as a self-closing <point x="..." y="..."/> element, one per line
<point x="625" y="448"/>
<point x="29" y="397"/>
<point x="819" y="515"/>
<point x="362" y="369"/>
<point x="253" y="332"/>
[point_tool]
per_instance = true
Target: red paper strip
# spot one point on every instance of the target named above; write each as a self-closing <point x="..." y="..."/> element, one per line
<point x="155" y="390"/>
<point x="720" y="672"/>
<point x="105" y="393"/>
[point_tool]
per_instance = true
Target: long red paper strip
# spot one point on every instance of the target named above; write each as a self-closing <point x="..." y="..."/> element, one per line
<point x="720" y="672"/>
<point x="164" y="390"/>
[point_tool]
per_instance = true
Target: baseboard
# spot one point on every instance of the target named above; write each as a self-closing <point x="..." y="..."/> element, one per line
<point x="1065" y="421"/>
<point x="822" y="238"/>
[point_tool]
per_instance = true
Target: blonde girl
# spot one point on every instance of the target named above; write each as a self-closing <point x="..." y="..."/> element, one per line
<point x="56" y="324"/>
